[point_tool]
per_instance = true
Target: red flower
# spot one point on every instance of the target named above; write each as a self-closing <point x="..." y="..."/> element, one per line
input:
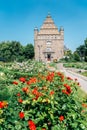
<point x="78" y="83"/>
<point x="32" y="125"/>
<point x="21" y="115"/>
<point x="69" y="78"/>
<point x="61" y="118"/>
<point x="64" y="91"/>
<point x="84" y="105"/>
<point x="36" y="93"/>
<point x="22" y="79"/>
<point x="14" y="82"/>
<point x="52" y="92"/>
<point x="68" y="88"/>
<point x="50" y="76"/>
<point x="65" y="85"/>
<point x="1" y="104"/>
<point x="20" y="100"/>
<point x="61" y="76"/>
<point x="59" y="73"/>
<point x="25" y="89"/>
<point x="32" y="80"/>
<point x="18" y="94"/>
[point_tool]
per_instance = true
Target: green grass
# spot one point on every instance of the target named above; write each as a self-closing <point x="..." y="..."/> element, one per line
<point x="81" y="94"/>
<point x="78" y="65"/>
<point x="84" y="73"/>
<point x="52" y="64"/>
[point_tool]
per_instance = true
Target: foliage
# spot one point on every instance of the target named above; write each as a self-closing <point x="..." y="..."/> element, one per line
<point x="47" y="101"/>
<point x="84" y="73"/>
<point x="76" y="56"/>
<point x="53" y="64"/>
<point x="78" y="65"/>
<point x="29" y="51"/>
<point x="68" y="56"/>
<point x="80" y="54"/>
<point x="82" y="51"/>
<point x="14" y="51"/>
<point x="4" y="92"/>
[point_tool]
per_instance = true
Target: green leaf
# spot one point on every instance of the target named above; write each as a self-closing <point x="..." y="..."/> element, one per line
<point x="18" y="127"/>
<point x="82" y="126"/>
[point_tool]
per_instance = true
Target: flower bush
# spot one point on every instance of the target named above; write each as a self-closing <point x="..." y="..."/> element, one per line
<point x="10" y="72"/>
<point x="45" y="102"/>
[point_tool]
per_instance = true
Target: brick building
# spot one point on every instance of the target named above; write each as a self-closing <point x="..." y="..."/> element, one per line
<point x="48" y="41"/>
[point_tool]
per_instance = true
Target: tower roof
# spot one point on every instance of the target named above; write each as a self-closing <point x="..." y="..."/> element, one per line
<point x="48" y="26"/>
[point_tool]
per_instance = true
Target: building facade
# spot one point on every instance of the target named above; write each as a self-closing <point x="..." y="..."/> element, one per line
<point x="48" y="41"/>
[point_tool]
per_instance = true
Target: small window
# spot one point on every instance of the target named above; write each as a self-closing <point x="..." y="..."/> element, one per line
<point x="48" y="43"/>
<point x="48" y="49"/>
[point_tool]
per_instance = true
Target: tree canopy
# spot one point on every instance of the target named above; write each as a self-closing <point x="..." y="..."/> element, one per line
<point x="80" y="54"/>
<point x="82" y="51"/>
<point x="13" y="50"/>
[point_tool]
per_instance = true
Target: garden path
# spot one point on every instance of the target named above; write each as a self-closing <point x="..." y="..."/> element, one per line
<point x="81" y="79"/>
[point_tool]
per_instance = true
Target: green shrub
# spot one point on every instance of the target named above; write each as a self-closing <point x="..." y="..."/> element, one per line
<point x="4" y="92"/>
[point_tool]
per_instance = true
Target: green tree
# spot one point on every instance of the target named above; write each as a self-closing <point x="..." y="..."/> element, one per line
<point x="16" y="50"/>
<point x="68" y="55"/>
<point x="4" y="50"/>
<point x="11" y="50"/>
<point x="81" y="51"/>
<point x="76" y="56"/>
<point x="29" y="51"/>
<point x="85" y="42"/>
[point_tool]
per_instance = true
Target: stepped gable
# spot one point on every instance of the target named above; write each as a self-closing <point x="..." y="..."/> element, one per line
<point x="48" y="41"/>
<point x="48" y="27"/>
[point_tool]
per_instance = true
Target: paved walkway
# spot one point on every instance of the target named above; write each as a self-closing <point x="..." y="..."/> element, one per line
<point x="81" y="79"/>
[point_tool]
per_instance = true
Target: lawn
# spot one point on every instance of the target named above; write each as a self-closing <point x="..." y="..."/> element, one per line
<point x="78" y="65"/>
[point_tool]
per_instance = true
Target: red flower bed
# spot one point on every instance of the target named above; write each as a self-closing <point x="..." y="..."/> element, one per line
<point x="45" y="102"/>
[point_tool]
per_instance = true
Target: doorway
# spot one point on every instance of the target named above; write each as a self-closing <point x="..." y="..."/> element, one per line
<point x="49" y="57"/>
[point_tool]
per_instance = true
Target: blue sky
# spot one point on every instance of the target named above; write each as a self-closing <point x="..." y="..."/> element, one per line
<point x="18" y="18"/>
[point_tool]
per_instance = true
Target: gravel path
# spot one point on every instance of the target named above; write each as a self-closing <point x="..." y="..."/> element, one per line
<point x="81" y="79"/>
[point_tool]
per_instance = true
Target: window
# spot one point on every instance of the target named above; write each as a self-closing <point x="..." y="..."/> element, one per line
<point x="48" y="48"/>
<point x="48" y="43"/>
